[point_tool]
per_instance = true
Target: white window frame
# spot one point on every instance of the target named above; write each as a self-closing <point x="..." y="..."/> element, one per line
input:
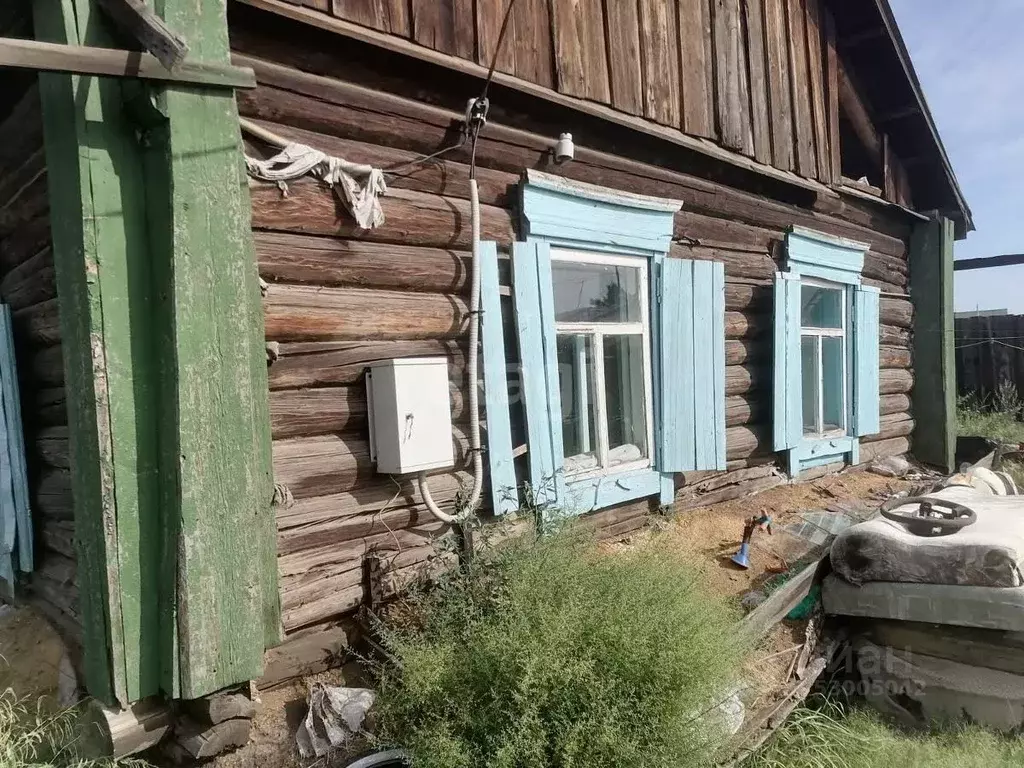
<point x="597" y="332"/>
<point x="842" y="332"/>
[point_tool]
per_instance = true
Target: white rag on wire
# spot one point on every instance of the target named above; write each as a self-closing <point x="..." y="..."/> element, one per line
<point x="296" y="160"/>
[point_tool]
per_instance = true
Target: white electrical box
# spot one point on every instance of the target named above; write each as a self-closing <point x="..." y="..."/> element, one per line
<point x="410" y="415"/>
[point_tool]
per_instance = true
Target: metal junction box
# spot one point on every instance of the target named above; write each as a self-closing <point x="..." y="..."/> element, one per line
<point x="410" y="415"/>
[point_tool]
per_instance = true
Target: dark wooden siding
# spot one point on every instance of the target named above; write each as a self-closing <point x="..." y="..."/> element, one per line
<point x="340" y="298"/>
<point x="750" y="75"/>
<point x="28" y="285"/>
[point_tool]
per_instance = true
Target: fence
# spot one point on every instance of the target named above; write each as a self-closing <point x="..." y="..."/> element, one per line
<point x="989" y="351"/>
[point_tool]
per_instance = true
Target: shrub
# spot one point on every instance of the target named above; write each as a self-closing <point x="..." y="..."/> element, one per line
<point x="549" y="654"/>
<point x="999" y="419"/>
<point x="828" y="737"/>
<point x="34" y="737"/>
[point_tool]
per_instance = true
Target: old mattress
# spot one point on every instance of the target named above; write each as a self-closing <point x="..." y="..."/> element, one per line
<point x="989" y="553"/>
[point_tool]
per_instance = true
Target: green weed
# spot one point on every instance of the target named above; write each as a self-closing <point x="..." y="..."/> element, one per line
<point x="999" y="418"/>
<point x="548" y="654"/>
<point x="828" y="737"/>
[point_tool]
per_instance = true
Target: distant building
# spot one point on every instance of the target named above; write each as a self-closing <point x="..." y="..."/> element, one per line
<point x="981" y="313"/>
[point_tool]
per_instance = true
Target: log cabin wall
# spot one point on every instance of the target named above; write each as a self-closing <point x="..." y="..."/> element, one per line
<point x="339" y="298"/>
<point x="27" y="284"/>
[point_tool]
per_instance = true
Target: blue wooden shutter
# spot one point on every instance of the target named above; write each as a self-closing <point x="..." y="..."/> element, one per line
<point x="535" y="324"/>
<point x="692" y="366"/>
<point x="865" y="360"/>
<point x="504" y="495"/>
<point x="15" y="518"/>
<point x="786" y="416"/>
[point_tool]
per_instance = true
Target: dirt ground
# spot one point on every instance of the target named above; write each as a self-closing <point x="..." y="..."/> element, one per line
<point x="32" y="660"/>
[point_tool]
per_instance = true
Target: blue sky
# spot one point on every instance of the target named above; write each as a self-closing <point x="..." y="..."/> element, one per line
<point x="969" y="55"/>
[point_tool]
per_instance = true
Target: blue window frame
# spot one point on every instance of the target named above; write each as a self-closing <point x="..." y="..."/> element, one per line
<point x="825" y="352"/>
<point x="622" y="350"/>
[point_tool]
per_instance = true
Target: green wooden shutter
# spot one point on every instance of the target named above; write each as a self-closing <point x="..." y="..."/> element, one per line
<point x="692" y="334"/>
<point x="865" y="359"/>
<point x="504" y="496"/>
<point x="786" y="403"/>
<point x="535" y="324"/>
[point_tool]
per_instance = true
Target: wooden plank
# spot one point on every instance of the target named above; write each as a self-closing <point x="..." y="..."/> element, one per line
<point x="489" y="17"/>
<point x="142" y="23"/>
<point x="832" y="94"/>
<point x="622" y="29"/>
<point x="780" y="99"/>
<point x="659" y="61"/>
<point x="15" y="442"/>
<point x="581" y="55"/>
<point x="444" y="25"/>
<point x="531" y="40"/>
<point x="800" y="87"/>
<point x="697" y="67"/>
<point x="86" y="60"/>
<point x="391" y="16"/>
<point x="816" y="65"/>
<point x="227" y="609"/>
<point x="732" y="107"/>
<point x="504" y="493"/>
<point x="753" y="16"/>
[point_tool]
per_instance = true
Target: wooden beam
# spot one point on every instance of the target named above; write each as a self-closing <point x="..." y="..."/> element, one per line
<point x="859" y="115"/>
<point x="899" y="114"/>
<point x="934" y="393"/>
<point x="86" y="60"/>
<point x="141" y="22"/>
<point x="1006" y="260"/>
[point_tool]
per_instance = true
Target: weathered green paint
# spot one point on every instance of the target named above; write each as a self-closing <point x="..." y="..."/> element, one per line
<point x="100" y="251"/>
<point x="934" y="395"/>
<point x="167" y="392"/>
<point x="228" y="605"/>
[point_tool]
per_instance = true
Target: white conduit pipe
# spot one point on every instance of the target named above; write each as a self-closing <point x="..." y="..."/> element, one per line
<point x="474" y="389"/>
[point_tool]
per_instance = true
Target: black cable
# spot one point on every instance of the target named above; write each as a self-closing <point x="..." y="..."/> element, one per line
<point x="497" y="48"/>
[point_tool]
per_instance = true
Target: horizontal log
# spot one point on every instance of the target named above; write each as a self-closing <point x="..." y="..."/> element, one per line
<point x="892" y="425"/>
<point x="411" y="218"/>
<point x="895" y="381"/>
<point x="51" y="446"/>
<point x="333" y="604"/>
<point x="39" y="322"/>
<point x="697" y="483"/>
<point x="336" y="532"/>
<point x="745" y="441"/>
<point x="293" y="258"/>
<point x="298" y="412"/>
<point x="58" y="535"/>
<point x="890" y="335"/>
<point x="19" y="181"/>
<point x="894" y="357"/>
<point x="304" y="653"/>
<point x="738" y="352"/>
<point x="604" y="519"/>
<point x="742" y="326"/>
<point x="22" y="129"/>
<point x="52" y="495"/>
<point x="318" y="466"/>
<point x="370" y="498"/>
<point x="754" y="407"/>
<point x="304" y="561"/>
<point x="893" y="404"/>
<point x="31" y="282"/>
<point x="59" y="569"/>
<point x="748" y="298"/>
<point x="406" y="570"/>
<point x="742" y="264"/>
<point x="439" y="176"/>
<point x="728" y="493"/>
<point x="743" y="378"/>
<point x="46" y="366"/>
<point x="881" y="449"/>
<point x="24" y="239"/>
<point x="48" y="407"/>
<point x="286" y="95"/>
<point x="303" y="312"/>
<point x="328" y="363"/>
<point x="897" y="312"/>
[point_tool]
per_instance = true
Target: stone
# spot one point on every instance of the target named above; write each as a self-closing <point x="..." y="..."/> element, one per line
<point x="201" y="742"/>
<point x="218" y="707"/>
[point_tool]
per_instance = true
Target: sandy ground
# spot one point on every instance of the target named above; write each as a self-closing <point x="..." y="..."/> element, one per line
<point x="30" y="657"/>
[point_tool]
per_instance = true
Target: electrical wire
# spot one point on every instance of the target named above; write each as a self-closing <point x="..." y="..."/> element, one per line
<point x="497" y="48"/>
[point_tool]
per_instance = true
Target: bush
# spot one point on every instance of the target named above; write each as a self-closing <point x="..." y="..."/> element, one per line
<point x="551" y="655"/>
<point x="998" y="418"/>
<point x="828" y="737"/>
<point x="34" y="737"/>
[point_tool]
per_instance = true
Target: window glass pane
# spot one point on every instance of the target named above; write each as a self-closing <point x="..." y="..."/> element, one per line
<point x="624" y="393"/>
<point x="821" y="307"/>
<point x="595" y="293"/>
<point x="809" y="374"/>
<point x="832" y="377"/>
<point x="577" y="385"/>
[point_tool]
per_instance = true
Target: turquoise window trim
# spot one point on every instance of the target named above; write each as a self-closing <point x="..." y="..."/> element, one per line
<point x="816" y="255"/>
<point x="562" y="213"/>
